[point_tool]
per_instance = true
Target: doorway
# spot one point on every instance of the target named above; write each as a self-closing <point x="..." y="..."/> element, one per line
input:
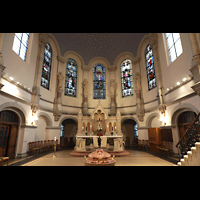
<point x="9" y="123"/>
<point x="68" y="131"/>
<point x="184" y="121"/>
<point x="130" y="132"/>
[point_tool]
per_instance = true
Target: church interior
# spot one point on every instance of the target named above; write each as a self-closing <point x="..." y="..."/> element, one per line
<point x="107" y="99"/>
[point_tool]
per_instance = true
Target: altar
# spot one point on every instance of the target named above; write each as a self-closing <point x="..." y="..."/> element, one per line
<point x="99" y="124"/>
<point x="118" y="142"/>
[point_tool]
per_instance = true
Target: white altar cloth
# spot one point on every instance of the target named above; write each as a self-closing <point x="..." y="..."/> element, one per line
<point x="117" y="139"/>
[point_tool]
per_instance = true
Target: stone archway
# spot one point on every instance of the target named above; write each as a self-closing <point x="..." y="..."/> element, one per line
<point x="129" y="130"/>
<point x="69" y="129"/>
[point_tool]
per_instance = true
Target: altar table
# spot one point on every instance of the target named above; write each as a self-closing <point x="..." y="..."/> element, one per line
<point x="80" y="142"/>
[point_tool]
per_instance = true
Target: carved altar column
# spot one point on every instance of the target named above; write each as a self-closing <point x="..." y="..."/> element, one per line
<point x="119" y="118"/>
<point x="112" y="95"/>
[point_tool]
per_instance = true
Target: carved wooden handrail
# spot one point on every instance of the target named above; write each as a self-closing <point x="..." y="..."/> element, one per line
<point x="192" y="135"/>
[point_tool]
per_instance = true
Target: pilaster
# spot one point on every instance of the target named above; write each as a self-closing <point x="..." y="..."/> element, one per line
<point x="38" y="73"/>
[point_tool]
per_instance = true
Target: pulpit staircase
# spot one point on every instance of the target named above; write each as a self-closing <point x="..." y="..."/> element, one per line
<point x="189" y="145"/>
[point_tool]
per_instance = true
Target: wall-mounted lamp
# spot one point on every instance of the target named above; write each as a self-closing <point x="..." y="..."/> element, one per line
<point x="163" y="119"/>
<point x="34" y="119"/>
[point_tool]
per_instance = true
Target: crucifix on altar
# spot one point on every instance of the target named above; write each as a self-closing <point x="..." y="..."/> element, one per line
<point x="99" y="123"/>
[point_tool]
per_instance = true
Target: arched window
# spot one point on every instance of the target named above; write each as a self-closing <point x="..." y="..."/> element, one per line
<point x="46" y="68"/>
<point x="151" y="75"/>
<point x="20" y="44"/>
<point x="126" y="78"/>
<point x="174" y="45"/>
<point x="71" y="78"/>
<point x="99" y="82"/>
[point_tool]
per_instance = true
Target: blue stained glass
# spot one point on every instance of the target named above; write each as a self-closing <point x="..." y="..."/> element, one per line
<point x="71" y="78"/>
<point x="126" y="78"/>
<point x="151" y="75"/>
<point x="99" y="82"/>
<point x="46" y="68"/>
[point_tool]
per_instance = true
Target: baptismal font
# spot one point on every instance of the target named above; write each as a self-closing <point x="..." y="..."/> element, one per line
<point x="99" y="158"/>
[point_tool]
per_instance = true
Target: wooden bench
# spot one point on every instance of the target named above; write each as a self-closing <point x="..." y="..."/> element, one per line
<point x="39" y="146"/>
<point x="3" y="158"/>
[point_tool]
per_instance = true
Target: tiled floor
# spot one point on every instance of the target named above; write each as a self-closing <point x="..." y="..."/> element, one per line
<point x="135" y="158"/>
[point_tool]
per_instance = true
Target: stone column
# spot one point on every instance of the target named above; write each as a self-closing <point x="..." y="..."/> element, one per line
<point x="112" y="95"/>
<point x="2" y="67"/>
<point x="85" y="97"/>
<point x="38" y="73"/>
<point x="195" y="66"/>
<point x="58" y="98"/>
<point x="153" y="40"/>
<point x="139" y="100"/>
<point x="80" y="118"/>
<point x="119" y="118"/>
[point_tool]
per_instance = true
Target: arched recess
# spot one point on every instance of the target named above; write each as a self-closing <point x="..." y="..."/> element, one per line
<point x="176" y="112"/>
<point x="153" y="120"/>
<point x="129" y="130"/>
<point x="69" y="127"/>
<point x="182" y="108"/>
<point x="16" y="108"/>
<point x="42" y="132"/>
<point x="46" y="117"/>
<point x="17" y="128"/>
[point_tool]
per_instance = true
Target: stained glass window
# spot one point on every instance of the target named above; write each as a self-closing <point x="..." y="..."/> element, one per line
<point x="20" y="44"/>
<point x="46" y="67"/>
<point x="71" y="78"/>
<point x="174" y="45"/>
<point x="126" y="78"/>
<point x="151" y="75"/>
<point x="99" y="82"/>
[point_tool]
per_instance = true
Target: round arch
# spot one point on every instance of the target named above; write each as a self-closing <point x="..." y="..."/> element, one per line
<point x="130" y="117"/>
<point x="150" y="119"/>
<point x="68" y="117"/>
<point x="19" y="110"/>
<point x="46" y="117"/>
<point x="69" y="127"/>
<point x="129" y="128"/>
<point x="175" y="113"/>
<point x="76" y="57"/>
<point x="180" y="109"/>
<point x="123" y="56"/>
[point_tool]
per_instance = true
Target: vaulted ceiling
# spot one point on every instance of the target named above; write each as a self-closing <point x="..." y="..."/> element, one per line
<point x="90" y="45"/>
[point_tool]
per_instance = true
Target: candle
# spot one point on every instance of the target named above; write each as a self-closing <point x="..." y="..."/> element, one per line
<point x="55" y="139"/>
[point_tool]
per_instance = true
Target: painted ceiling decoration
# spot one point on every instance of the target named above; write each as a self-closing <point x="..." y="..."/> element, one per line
<point x="90" y="45"/>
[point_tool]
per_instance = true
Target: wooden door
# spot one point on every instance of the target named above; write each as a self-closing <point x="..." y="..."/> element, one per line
<point x="154" y="138"/>
<point x="12" y="141"/>
<point x="4" y="133"/>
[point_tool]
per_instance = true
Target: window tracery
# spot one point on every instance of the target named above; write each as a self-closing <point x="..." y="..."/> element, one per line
<point x="98" y="82"/>
<point x="150" y="69"/>
<point x="71" y="78"/>
<point x="174" y="45"/>
<point x="46" y="67"/>
<point x="20" y="44"/>
<point x="126" y="78"/>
